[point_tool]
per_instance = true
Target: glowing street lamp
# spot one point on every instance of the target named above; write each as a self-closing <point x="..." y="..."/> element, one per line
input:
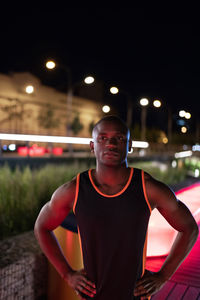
<point x="50" y="64"/>
<point x="29" y="89"/>
<point x="182" y="113"/>
<point x="106" y="109"/>
<point x="89" y="80"/>
<point x="157" y="103"/>
<point x="183" y="129"/>
<point x="114" y="90"/>
<point x="144" y="102"/>
<point x="187" y="115"/>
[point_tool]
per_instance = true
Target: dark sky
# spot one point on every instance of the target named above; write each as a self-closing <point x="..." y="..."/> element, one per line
<point x="132" y="48"/>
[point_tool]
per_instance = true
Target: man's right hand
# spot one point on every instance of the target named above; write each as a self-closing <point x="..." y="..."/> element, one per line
<point x="78" y="281"/>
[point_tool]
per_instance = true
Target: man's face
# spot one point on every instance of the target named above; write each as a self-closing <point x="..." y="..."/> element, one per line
<point x="110" y="143"/>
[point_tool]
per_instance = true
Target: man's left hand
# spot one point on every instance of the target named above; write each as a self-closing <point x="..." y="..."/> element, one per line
<point x="149" y="284"/>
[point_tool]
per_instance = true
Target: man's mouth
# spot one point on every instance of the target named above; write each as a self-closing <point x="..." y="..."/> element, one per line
<point x="111" y="153"/>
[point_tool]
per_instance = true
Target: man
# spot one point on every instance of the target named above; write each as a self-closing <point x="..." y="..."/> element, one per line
<point x="112" y="205"/>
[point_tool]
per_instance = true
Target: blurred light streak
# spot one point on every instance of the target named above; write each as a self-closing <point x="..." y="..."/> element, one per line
<point x="183" y="154"/>
<point x="58" y="139"/>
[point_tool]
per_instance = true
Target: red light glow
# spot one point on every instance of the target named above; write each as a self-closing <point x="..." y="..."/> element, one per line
<point x="32" y="151"/>
<point x="160" y="234"/>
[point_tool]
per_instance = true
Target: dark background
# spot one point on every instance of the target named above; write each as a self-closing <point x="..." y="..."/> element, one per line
<point x="140" y="50"/>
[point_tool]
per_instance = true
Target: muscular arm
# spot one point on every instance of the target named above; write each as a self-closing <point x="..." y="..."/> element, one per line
<point x="51" y="216"/>
<point x="180" y="218"/>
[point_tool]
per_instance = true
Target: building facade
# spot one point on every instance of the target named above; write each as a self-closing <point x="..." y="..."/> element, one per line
<point x="45" y="111"/>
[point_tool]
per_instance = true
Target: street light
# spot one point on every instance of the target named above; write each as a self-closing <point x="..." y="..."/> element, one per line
<point x="50" y="64"/>
<point x="89" y="80"/>
<point x="114" y="90"/>
<point x="184" y="114"/>
<point x="29" y="89"/>
<point x="183" y="129"/>
<point x="187" y="115"/>
<point x="106" y="108"/>
<point x="143" y="102"/>
<point x="157" y="103"/>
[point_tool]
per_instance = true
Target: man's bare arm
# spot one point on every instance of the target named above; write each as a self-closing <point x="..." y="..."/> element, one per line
<point x="50" y="217"/>
<point x="180" y="218"/>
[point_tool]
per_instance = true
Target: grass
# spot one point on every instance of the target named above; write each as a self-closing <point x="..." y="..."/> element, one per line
<point x="23" y="192"/>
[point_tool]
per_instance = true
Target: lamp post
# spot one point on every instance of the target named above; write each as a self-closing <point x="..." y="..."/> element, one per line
<point x="157" y="103"/>
<point x="88" y="80"/>
<point x="143" y="102"/>
<point x="169" y="124"/>
<point x="50" y="64"/>
<point x="114" y="90"/>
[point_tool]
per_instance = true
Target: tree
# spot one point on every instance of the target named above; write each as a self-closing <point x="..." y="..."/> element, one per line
<point x="47" y="119"/>
<point x="76" y="125"/>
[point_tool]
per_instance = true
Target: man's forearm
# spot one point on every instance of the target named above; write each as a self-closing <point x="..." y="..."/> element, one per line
<point x="180" y="249"/>
<point x="53" y="251"/>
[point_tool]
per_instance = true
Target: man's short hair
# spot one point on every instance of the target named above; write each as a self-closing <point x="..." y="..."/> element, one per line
<point x="114" y="119"/>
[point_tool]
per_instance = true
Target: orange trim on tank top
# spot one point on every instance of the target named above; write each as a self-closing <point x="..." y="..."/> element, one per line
<point x="144" y="255"/>
<point x="145" y="193"/>
<point x="77" y="190"/>
<point x="115" y="195"/>
<point x="80" y="243"/>
<point x="74" y="206"/>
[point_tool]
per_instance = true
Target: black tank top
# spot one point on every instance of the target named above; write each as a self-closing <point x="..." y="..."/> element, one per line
<point x="112" y="231"/>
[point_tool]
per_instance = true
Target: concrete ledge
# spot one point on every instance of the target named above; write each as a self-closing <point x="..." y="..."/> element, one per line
<point x="23" y="269"/>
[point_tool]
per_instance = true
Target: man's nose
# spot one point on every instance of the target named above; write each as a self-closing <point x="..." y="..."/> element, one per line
<point x="111" y="141"/>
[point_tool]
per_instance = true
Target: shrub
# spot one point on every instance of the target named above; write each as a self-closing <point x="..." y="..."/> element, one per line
<point x="23" y="192"/>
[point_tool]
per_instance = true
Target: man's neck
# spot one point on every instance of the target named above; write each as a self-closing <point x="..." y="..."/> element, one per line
<point x="107" y="175"/>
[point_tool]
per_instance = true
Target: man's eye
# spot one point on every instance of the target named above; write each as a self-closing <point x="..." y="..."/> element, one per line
<point x="102" y="138"/>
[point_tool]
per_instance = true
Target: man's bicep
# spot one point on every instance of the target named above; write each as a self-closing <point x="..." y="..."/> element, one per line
<point x="177" y="215"/>
<point x="50" y="219"/>
<point x="54" y="212"/>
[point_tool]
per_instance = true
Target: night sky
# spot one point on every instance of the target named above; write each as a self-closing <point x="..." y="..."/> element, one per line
<point x="130" y="48"/>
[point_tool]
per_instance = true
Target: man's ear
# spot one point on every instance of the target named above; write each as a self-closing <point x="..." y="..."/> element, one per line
<point x="92" y="146"/>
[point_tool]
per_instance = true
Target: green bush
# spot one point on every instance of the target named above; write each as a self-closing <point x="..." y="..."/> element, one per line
<point x="24" y="192"/>
<point x="169" y="176"/>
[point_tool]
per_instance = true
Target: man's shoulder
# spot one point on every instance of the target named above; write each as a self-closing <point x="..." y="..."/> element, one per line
<point x="69" y="186"/>
<point x="66" y="188"/>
